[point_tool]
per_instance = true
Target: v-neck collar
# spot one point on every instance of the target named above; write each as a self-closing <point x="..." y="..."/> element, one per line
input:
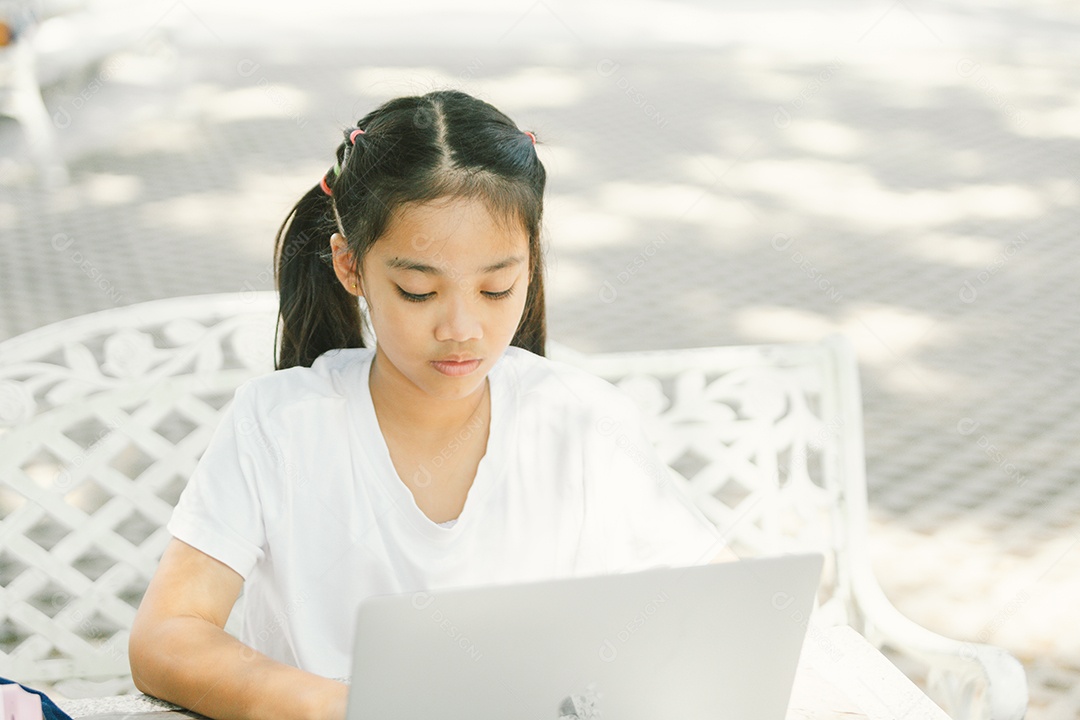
<point x="377" y="454"/>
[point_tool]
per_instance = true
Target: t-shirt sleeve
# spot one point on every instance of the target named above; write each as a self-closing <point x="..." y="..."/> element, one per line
<point x="220" y="512"/>
<point x="648" y="519"/>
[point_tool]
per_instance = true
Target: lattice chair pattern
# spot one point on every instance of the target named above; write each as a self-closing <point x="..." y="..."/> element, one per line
<point x="103" y="417"/>
<point x="768" y="441"/>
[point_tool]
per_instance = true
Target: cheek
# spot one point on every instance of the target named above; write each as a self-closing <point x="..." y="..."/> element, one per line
<point x="403" y="324"/>
<point x="514" y="310"/>
<point x="390" y="321"/>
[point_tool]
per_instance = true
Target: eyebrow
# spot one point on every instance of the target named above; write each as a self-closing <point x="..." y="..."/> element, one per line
<point x="407" y="264"/>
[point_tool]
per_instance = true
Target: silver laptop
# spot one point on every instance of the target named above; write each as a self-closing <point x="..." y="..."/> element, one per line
<point x="707" y="641"/>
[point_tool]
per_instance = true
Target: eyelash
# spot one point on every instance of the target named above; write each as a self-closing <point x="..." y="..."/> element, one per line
<point x="411" y="297"/>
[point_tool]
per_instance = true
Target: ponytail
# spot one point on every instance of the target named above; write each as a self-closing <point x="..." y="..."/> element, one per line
<point x="316" y="312"/>
<point x="531" y="333"/>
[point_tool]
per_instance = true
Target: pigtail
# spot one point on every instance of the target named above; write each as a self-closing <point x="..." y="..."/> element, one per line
<point x="316" y="313"/>
<point x="531" y="333"/>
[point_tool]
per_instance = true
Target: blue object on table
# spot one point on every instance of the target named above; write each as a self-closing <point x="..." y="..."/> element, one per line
<point x="48" y="708"/>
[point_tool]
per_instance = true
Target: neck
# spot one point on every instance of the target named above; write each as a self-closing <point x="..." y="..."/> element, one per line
<point x="400" y="404"/>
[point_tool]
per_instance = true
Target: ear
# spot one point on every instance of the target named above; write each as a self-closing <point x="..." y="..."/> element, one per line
<point x="345" y="266"/>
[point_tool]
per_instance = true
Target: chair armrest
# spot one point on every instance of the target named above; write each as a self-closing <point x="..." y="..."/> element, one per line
<point x="973" y="680"/>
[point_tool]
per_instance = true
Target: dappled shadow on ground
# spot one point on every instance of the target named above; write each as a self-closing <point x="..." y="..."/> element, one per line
<point x="921" y="201"/>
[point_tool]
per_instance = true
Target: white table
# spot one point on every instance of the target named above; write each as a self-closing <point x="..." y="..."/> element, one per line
<point x="843" y="677"/>
<point x="840" y="677"/>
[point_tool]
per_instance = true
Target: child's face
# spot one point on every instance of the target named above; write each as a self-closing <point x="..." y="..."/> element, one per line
<point x="446" y="287"/>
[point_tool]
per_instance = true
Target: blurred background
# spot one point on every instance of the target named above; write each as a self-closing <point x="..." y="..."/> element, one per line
<point x="904" y="172"/>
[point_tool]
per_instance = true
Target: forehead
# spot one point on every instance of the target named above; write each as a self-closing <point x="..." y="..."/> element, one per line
<point x="451" y="231"/>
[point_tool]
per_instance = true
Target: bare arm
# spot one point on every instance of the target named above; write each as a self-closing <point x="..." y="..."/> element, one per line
<point x="180" y="651"/>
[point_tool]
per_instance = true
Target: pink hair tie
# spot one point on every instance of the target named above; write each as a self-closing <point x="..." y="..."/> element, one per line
<point x="325" y="187"/>
<point x="531" y="137"/>
<point x="353" y="134"/>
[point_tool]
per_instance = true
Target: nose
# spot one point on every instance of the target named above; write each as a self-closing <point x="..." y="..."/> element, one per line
<point x="459" y="321"/>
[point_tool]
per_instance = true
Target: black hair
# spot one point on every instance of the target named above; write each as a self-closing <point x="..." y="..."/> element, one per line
<point x="445" y="144"/>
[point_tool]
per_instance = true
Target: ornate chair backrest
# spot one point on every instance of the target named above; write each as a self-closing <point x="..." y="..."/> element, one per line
<point x="103" y="418"/>
<point x="768" y="441"/>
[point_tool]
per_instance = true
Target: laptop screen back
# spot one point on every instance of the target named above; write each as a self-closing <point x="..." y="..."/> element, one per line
<point x="709" y="641"/>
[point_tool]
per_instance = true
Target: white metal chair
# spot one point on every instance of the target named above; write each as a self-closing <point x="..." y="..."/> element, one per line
<point x="103" y="417"/>
<point x="20" y="95"/>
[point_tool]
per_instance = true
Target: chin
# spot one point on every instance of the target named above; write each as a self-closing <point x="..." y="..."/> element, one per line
<point x="455" y="389"/>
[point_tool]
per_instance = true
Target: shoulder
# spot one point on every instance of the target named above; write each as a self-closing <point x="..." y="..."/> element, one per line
<point x="327" y="379"/>
<point x="552" y="382"/>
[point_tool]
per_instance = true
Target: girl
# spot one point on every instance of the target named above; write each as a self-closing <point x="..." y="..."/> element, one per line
<point x="434" y="446"/>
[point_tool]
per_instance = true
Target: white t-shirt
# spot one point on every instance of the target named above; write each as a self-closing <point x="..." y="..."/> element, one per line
<point x="297" y="493"/>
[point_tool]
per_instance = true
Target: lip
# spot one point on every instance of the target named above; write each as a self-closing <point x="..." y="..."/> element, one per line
<point x="456" y="366"/>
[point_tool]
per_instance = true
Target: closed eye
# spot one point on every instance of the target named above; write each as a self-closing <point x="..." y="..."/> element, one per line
<point x="417" y="298"/>
<point x="499" y="295"/>
<point x="413" y="297"/>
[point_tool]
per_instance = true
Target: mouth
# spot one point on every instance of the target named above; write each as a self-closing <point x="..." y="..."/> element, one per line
<point x="456" y="367"/>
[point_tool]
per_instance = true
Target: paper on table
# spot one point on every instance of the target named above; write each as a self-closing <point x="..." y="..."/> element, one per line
<point x="815" y="698"/>
<point x="841" y="676"/>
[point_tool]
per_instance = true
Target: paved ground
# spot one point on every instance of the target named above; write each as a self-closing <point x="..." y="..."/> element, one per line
<point x="908" y="175"/>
